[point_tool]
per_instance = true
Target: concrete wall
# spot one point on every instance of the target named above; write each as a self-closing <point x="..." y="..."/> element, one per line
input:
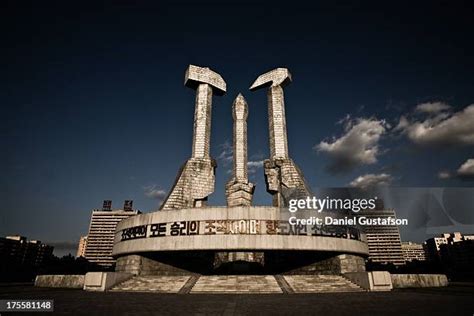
<point x="268" y="262"/>
<point x="419" y="280"/>
<point x="62" y="281"/>
<point x="351" y="263"/>
<point x="313" y="263"/>
<point x="371" y="281"/>
<point x="240" y="242"/>
<point x="129" y="264"/>
<point x="103" y="281"/>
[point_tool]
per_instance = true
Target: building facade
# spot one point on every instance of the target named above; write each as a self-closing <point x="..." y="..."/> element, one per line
<point x="81" y="248"/>
<point x="413" y="251"/>
<point x="434" y="244"/>
<point x="383" y="241"/>
<point x="100" y="239"/>
<point x="454" y="252"/>
<point x="19" y="250"/>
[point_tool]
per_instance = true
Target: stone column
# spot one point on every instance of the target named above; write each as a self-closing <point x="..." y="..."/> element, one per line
<point x="240" y="114"/>
<point x="202" y="121"/>
<point x="277" y="123"/>
<point x="239" y="190"/>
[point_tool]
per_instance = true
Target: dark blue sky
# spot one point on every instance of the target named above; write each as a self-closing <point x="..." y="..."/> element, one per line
<point x="94" y="105"/>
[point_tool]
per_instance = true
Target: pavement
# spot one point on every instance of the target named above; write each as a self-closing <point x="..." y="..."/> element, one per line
<point x="452" y="300"/>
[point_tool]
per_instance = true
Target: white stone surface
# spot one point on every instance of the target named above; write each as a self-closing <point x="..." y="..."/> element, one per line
<point x="239" y="191"/>
<point x="158" y="284"/>
<point x="103" y="281"/>
<point x="419" y="280"/>
<point x="320" y="284"/>
<point x="283" y="178"/>
<point x="240" y="114"/>
<point x="60" y="281"/>
<point x="371" y="281"/>
<point x="275" y="77"/>
<point x="202" y="121"/>
<point x="276" y="80"/>
<point x="196" y="75"/>
<point x="232" y="284"/>
<point x="222" y="242"/>
<point x="205" y="81"/>
<point x="195" y="181"/>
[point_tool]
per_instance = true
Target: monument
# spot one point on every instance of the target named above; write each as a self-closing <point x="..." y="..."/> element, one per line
<point x="187" y="236"/>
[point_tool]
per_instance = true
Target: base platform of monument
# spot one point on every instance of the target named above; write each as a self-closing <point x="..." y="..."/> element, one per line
<point x="233" y="240"/>
<point x="239" y="284"/>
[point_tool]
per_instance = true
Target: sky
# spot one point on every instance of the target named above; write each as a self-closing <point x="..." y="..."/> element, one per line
<point x="95" y="108"/>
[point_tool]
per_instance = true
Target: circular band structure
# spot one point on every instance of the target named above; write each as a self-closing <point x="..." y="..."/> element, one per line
<point x="227" y="228"/>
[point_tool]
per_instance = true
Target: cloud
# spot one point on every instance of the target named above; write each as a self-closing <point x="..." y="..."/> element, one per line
<point x="439" y="126"/>
<point x="155" y="193"/>
<point x="358" y="146"/>
<point x="444" y="175"/>
<point x="371" y="180"/>
<point x="226" y="157"/>
<point x="63" y="248"/>
<point x="226" y="153"/>
<point x="432" y="107"/>
<point x="466" y="170"/>
<point x="68" y="245"/>
<point x="256" y="164"/>
<point x="253" y="166"/>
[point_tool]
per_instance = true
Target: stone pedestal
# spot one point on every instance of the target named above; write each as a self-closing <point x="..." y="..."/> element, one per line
<point x="240" y="262"/>
<point x="167" y="263"/>
<point x="239" y="193"/>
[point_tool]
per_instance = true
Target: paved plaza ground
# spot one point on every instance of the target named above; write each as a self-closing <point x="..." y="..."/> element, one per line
<point x="456" y="300"/>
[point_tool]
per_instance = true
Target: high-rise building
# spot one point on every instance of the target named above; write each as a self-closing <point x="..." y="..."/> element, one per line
<point x="383" y="241"/>
<point x="434" y="244"/>
<point x="468" y="237"/>
<point x="81" y="248"/>
<point x="457" y="258"/>
<point x="20" y="251"/>
<point x="413" y="251"/>
<point x="100" y="239"/>
<point x="454" y="252"/>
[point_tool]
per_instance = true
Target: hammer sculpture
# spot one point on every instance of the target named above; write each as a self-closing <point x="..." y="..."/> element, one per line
<point x="205" y="82"/>
<point x="275" y="80"/>
<point x="196" y="179"/>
